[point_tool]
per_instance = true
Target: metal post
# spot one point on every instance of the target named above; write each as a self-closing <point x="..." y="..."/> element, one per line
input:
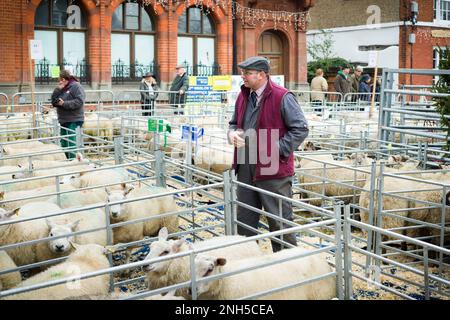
<point x="193" y="277"/>
<point x="227" y="199"/>
<point x="56" y="130"/>
<point x="338" y="255"/>
<point x="109" y="241"/>
<point x="160" y="169"/>
<point x="347" y="255"/>
<point x="79" y="136"/>
<point x="426" y="274"/>
<point x="379" y="217"/>
<point x="370" y="234"/>
<point x="118" y="150"/>
<point x="58" y="189"/>
<point x="233" y="202"/>
<point x="188" y="160"/>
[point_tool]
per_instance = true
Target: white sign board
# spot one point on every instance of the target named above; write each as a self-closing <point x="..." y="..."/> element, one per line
<point x="37" y="53"/>
<point x="373" y="59"/>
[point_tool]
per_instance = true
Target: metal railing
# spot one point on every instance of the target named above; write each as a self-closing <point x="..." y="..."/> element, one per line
<point x="122" y="72"/>
<point x="43" y="71"/>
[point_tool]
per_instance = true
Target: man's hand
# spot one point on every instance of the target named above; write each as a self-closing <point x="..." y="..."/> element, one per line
<point x="60" y="102"/>
<point x="181" y="91"/>
<point x="236" y="138"/>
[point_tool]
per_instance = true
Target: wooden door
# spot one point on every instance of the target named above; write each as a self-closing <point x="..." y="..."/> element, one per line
<point x="271" y="47"/>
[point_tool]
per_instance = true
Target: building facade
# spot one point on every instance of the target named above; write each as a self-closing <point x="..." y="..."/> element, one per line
<point x="112" y="43"/>
<point x="403" y="37"/>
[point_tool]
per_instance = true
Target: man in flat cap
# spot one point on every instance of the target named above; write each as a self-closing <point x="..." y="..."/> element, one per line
<point x="267" y="126"/>
<point x="177" y="98"/>
<point x="342" y="83"/>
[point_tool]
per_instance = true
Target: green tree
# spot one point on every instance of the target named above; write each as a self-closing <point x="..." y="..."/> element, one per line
<point x="320" y="49"/>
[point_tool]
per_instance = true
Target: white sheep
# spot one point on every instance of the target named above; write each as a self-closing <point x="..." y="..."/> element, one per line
<point x="350" y="178"/>
<point x="412" y="191"/>
<point x="26" y="152"/>
<point x="18" y="232"/>
<point x="141" y="209"/>
<point x="10" y="172"/>
<point x="11" y="279"/>
<point x="266" y="278"/>
<point x="85" y="259"/>
<point x="119" y="295"/>
<point x="75" y="222"/>
<point x="79" y="198"/>
<point x="169" y="272"/>
<point x="96" y="126"/>
<point x="19" y="198"/>
<point x="97" y="178"/>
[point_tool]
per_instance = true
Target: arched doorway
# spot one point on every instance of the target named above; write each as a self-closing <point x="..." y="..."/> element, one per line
<point x="271" y="46"/>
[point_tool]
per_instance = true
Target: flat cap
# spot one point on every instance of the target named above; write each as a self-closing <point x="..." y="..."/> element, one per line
<point x="181" y="65"/>
<point x="255" y="63"/>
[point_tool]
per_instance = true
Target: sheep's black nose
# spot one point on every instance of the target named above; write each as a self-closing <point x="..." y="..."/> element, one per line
<point x="59" y="248"/>
<point x="13" y="176"/>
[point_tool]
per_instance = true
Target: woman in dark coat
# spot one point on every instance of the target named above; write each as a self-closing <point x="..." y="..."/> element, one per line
<point x="149" y="93"/>
<point x="364" y="88"/>
<point x="68" y="99"/>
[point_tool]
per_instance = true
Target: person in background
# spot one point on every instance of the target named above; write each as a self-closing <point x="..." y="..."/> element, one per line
<point x="342" y="82"/>
<point x="180" y="85"/>
<point x="364" y="88"/>
<point x="149" y="93"/>
<point x="355" y="79"/>
<point x="267" y="118"/>
<point x="318" y="85"/>
<point x="68" y="99"/>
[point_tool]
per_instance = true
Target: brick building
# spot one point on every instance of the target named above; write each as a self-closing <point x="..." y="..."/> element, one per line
<point x="111" y="43"/>
<point x="359" y="26"/>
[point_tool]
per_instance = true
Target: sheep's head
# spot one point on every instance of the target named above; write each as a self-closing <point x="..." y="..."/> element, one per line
<point x="73" y="179"/>
<point x="160" y="248"/>
<point x="21" y="173"/>
<point x="116" y="210"/>
<point x="206" y="265"/>
<point x="61" y="245"/>
<point x="359" y="159"/>
<point x="6" y="215"/>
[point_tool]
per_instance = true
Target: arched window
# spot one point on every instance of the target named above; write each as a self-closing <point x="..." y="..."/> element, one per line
<point x="132" y="42"/>
<point x="61" y="26"/>
<point x="197" y="42"/>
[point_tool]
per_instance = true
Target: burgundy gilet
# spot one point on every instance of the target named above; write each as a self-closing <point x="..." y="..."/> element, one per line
<point x="269" y="118"/>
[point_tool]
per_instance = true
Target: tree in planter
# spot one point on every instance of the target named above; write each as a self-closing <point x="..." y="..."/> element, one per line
<point x="443" y="86"/>
<point x="322" y="54"/>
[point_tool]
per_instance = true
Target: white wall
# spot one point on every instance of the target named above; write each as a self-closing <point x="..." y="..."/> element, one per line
<point x="347" y="42"/>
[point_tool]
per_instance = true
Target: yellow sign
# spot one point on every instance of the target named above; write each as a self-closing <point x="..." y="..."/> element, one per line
<point x="440" y="33"/>
<point x="54" y="71"/>
<point x="221" y="83"/>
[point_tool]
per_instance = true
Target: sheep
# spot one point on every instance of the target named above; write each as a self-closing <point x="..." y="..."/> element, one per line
<point x="422" y="191"/>
<point x="96" y="126"/>
<point x="79" y="163"/>
<point x="19" y="198"/>
<point x="138" y="210"/>
<point x="23" y="153"/>
<point x="266" y="278"/>
<point x="350" y="177"/>
<point x="85" y="259"/>
<point x="98" y="178"/>
<point x="26" y="231"/>
<point x="75" y="222"/>
<point x="79" y="198"/>
<point x="11" y="279"/>
<point x="9" y="172"/>
<point x="174" y="271"/>
<point x="116" y="296"/>
<point x="216" y="159"/>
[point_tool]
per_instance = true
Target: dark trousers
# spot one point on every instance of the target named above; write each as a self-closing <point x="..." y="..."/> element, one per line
<point x="257" y="200"/>
<point x="148" y="106"/>
<point x="67" y="141"/>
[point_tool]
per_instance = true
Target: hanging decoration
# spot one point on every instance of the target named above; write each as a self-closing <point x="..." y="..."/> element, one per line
<point x="250" y="16"/>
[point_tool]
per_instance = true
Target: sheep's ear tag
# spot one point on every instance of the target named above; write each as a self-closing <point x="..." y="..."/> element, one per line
<point x="110" y="249"/>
